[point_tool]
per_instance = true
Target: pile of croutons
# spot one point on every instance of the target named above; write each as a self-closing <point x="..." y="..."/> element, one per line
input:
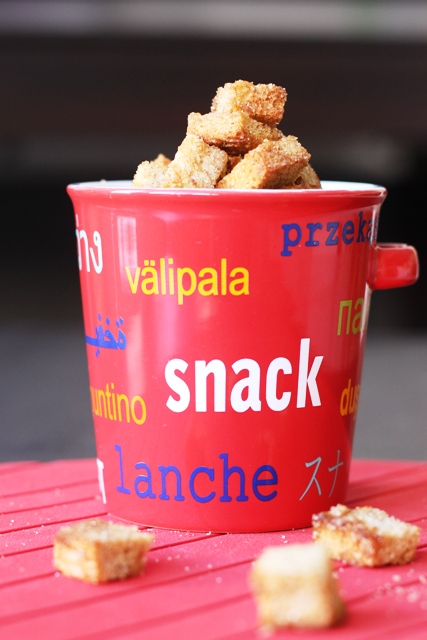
<point x="237" y="145"/>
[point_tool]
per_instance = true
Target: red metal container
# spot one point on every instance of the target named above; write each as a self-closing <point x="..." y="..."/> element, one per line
<point x="225" y="333"/>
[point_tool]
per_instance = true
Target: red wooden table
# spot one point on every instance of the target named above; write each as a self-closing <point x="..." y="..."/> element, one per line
<point x="196" y="584"/>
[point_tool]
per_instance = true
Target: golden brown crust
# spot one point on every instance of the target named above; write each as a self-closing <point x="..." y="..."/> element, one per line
<point x="294" y="587"/>
<point x="307" y="179"/>
<point x="262" y="102"/>
<point x="272" y="165"/>
<point x="97" y="551"/>
<point x="232" y="161"/>
<point x="365" y="536"/>
<point x="235" y="132"/>
<point x="196" y="165"/>
<point x="150" y="174"/>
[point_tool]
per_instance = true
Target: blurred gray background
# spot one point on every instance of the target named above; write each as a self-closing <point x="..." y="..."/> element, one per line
<point x="91" y="88"/>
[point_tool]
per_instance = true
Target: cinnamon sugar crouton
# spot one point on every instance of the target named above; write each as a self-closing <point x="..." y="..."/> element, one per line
<point x="262" y="102"/>
<point x="232" y="161"/>
<point x="365" y="536"/>
<point x="272" y="165"/>
<point x="150" y="174"/>
<point x="97" y="551"/>
<point x="196" y="164"/>
<point x="235" y="132"/>
<point x="294" y="587"/>
<point x="307" y="179"/>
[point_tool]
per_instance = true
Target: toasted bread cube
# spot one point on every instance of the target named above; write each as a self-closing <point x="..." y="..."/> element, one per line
<point x="196" y="165"/>
<point x="150" y="174"/>
<point x="307" y="179"/>
<point x="272" y="165"/>
<point x="294" y="587"/>
<point x="97" y="551"/>
<point x="232" y="161"/>
<point x="235" y="132"/>
<point x="365" y="536"/>
<point x="262" y="102"/>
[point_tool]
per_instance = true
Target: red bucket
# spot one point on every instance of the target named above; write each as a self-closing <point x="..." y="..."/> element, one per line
<point x="225" y="333"/>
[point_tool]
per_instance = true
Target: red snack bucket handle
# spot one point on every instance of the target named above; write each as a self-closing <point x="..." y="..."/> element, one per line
<point x="394" y="265"/>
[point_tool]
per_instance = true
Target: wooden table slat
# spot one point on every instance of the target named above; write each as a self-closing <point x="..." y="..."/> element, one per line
<point x="29" y="479"/>
<point x="49" y="497"/>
